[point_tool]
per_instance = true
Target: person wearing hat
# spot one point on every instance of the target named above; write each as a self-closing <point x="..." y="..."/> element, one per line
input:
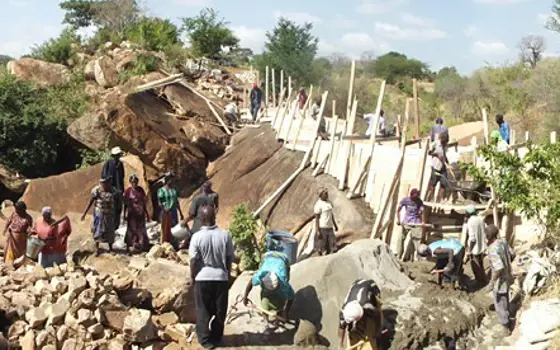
<point x="105" y="197"/>
<point x="325" y="223"/>
<point x="113" y="169"/>
<point x="256" y="100"/>
<point x="448" y="256"/>
<point x="476" y="243"/>
<point x="361" y="315"/>
<point x="439" y="129"/>
<point x="413" y="218"/>
<point x="273" y="277"/>
<point x="168" y="200"/>
<point x="55" y="237"/>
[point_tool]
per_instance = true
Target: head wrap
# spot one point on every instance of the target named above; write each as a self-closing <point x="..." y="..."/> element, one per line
<point x="116" y="151"/>
<point x="414" y="192"/>
<point x="423" y="249"/>
<point x="470" y="209"/>
<point x="46" y="211"/>
<point x="270" y="281"/>
<point x="352" y="312"/>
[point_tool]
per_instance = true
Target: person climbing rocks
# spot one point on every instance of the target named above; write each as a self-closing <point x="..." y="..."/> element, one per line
<point x="256" y="100"/>
<point x="55" y="237"/>
<point x="361" y="316"/>
<point x="439" y="170"/>
<point x="211" y="253"/>
<point x="273" y="276"/>
<point x="325" y="223"/>
<point x="500" y="256"/>
<point x="168" y="199"/>
<point x="439" y="129"/>
<point x="504" y="128"/>
<point x="413" y="219"/>
<point x="230" y="113"/>
<point x="476" y="243"/>
<point x="113" y="169"/>
<point x="105" y="197"/>
<point x="448" y="255"/>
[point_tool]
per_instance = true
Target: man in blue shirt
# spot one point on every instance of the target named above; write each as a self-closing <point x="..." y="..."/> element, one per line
<point x="448" y="255"/>
<point x="273" y="277"/>
<point x="504" y="127"/>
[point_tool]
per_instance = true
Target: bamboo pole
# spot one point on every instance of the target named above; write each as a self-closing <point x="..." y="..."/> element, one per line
<point x="416" y="107"/>
<point x="346" y="147"/>
<point x="273" y="123"/>
<point x="273" y="89"/>
<point x="266" y="87"/>
<point x="301" y="167"/>
<point x="369" y="183"/>
<point x="349" y="103"/>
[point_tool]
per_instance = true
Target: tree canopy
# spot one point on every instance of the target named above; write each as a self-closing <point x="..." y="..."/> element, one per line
<point x="207" y="34"/>
<point x="292" y="48"/>
<point x="153" y="33"/>
<point x="395" y="66"/>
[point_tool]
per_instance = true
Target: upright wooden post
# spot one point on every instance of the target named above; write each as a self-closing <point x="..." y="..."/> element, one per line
<point x="290" y="83"/>
<point x="486" y="129"/>
<point x="273" y="88"/>
<point x="347" y="148"/>
<point x="422" y="166"/>
<point x="474" y="146"/>
<point x="305" y="109"/>
<point x="350" y="129"/>
<point x="293" y="117"/>
<point x="399" y="125"/>
<point x="526" y="136"/>
<point x="513" y="137"/>
<point x="266" y="87"/>
<point x="273" y="124"/>
<point x="553" y="137"/>
<point x="282" y="80"/>
<point x="332" y="159"/>
<point x="416" y="107"/>
<point x="285" y="110"/>
<point x="369" y="183"/>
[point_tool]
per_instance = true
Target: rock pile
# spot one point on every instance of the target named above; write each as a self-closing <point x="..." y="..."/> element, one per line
<point x="70" y="307"/>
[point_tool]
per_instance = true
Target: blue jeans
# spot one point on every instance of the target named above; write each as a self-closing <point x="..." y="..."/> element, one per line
<point x="255" y="106"/>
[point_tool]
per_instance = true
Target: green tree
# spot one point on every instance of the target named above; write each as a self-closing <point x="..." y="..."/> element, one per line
<point x="292" y="48"/>
<point x="553" y="22"/>
<point x="78" y="13"/>
<point x="243" y="229"/>
<point x="153" y="33"/>
<point x="207" y="34"/>
<point x="4" y="59"/>
<point x="396" y="67"/>
<point x="58" y="50"/>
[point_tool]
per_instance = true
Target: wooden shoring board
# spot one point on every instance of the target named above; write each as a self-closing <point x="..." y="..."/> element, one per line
<point x="298" y="130"/>
<point x="332" y="143"/>
<point x="273" y="89"/>
<point x="277" y="112"/>
<point x="285" y="112"/>
<point x="284" y="132"/>
<point x="321" y="165"/>
<point x="422" y="167"/>
<point x="487" y="138"/>
<point x="337" y="165"/>
<point x="369" y="183"/>
<point x="316" y="152"/>
<point x="355" y="168"/>
<point x="384" y="204"/>
<point x="359" y="182"/>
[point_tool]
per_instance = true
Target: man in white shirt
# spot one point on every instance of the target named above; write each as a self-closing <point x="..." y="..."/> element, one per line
<point x="231" y="113"/>
<point x="370" y="119"/>
<point x="325" y="224"/>
<point x="476" y="243"/>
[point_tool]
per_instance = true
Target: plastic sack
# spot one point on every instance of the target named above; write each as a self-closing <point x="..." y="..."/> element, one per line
<point x="180" y="232"/>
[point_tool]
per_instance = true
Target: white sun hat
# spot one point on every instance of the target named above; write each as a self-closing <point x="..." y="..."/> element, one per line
<point x="116" y="151"/>
<point x="352" y="312"/>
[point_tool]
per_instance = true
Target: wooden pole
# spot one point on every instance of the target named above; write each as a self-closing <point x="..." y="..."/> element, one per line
<point x="553" y="137"/>
<point x="474" y="146"/>
<point x="305" y="109"/>
<point x="513" y="137"/>
<point x="321" y="165"/>
<point x="486" y="130"/>
<point x="416" y="108"/>
<point x="283" y="115"/>
<point x="302" y="166"/>
<point x="266" y="87"/>
<point x="399" y="125"/>
<point x="385" y="204"/>
<point x="346" y="148"/>
<point x="290" y="83"/>
<point x="526" y="136"/>
<point x="423" y="165"/>
<point x="294" y="117"/>
<point x="291" y="116"/>
<point x="332" y="159"/>
<point x="369" y="183"/>
<point x="273" y="124"/>
<point x="359" y="180"/>
<point x="350" y="128"/>
<point x="273" y="88"/>
<point x="282" y="80"/>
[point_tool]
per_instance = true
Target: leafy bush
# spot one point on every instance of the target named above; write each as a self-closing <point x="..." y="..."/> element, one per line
<point x="58" y="50"/>
<point x="243" y="231"/>
<point x="30" y="136"/>
<point x="153" y="34"/>
<point x="176" y="56"/>
<point x="144" y="64"/>
<point x="91" y="157"/>
<point x="68" y="101"/>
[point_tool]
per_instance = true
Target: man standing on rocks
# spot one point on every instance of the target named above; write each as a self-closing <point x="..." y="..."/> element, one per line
<point x="500" y="256"/>
<point x="211" y="252"/>
<point x="114" y="169"/>
<point x="476" y="244"/>
<point x="361" y="316"/>
<point x="256" y="100"/>
<point x="325" y="224"/>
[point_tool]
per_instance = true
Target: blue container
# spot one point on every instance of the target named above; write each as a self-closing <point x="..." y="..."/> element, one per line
<point x="282" y="241"/>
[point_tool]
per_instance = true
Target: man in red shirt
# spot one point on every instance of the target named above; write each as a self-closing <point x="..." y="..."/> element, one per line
<point x="55" y="235"/>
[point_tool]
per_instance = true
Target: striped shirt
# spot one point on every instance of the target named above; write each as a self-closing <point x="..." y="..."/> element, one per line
<point x="168" y="197"/>
<point x="366" y="293"/>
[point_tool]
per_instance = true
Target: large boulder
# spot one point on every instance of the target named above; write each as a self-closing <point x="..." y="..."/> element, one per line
<point x="39" y="72"/>
<point x="210" y="139"/>
<point x="188" y="102"/>
<point x="11" y="183"/>
<point x="92" y="131"/>
<point x="105" y="72"/>
<point x="416" y="315"/>
<point x="255" y="166"/>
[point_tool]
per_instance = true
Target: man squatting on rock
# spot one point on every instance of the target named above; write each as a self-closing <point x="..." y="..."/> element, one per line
<point x="211" y="252"/>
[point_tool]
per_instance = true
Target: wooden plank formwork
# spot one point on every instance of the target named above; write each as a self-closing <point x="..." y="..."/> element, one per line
<point x="369" y="181"/>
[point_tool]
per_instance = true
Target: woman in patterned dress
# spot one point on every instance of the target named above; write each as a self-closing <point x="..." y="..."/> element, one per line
<point x="18" y="227"/>
<point x="136" y="214"/>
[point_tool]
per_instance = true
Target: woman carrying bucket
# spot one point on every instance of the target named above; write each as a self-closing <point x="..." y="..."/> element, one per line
<point x="17" y="227"/>
<point x="54" y="234"/>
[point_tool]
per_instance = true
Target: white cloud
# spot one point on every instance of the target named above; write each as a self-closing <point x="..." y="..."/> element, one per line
<point x="489" y="48"/>
<point x="470" y="31"/>
<point x="18" y="40"/>
<point x="299" y="17"/>
<point x="19" y="3"/>
<point x="345" y="22"/>
<point x="395" y="32"/>
<point x="498" y="2"/>
<point x="325" y="48"/>
<point x="252" y="38"/>
<point x="409" y="18"/>
<point x="361" y="42"/>
<point x="193" y="2"/>
<point x="374" y="7"/>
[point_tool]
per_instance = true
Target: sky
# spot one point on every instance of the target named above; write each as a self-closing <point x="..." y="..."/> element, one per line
<point x="467" y="34"/>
